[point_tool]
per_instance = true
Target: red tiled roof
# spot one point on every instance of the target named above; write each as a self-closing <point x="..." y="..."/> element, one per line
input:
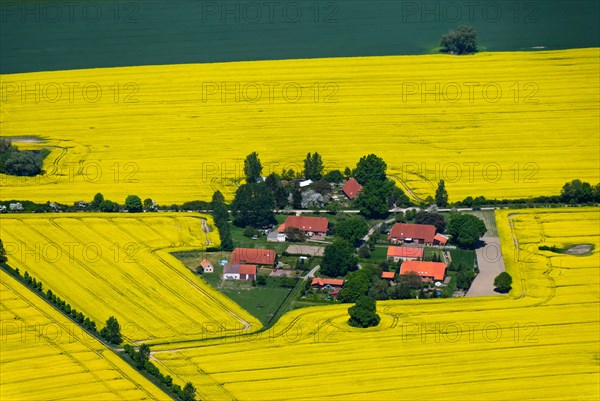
<point x="426" y="232"/>
<point x="248" y="269"/>
<point x="205" y="263"/>
<point x="306" y="223"/>
<point x="327" y="281"/>
<point x="404" y="252"/>
<point x="442" y="239"/>
<point x="437" y="270"/>
<point x="388" y="274"/>
<point x="254" y="256"/>
<point x="352" y="188"/>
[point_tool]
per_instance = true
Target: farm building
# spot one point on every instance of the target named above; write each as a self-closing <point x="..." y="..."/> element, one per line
<point x="397" y="253"/>
<point x="388" y="275"/>
<point x="306" y="250"/>
<point x="440" y="239"/>
<point x="234" y="271"/>
<point x="351" y="188"/>
<point x="264" y="257"/>
<point x="310" y="226"/>
<point x="416" y="233"/>
<point x="206" y="266"/>
<point x="428" y="271"/>
<point x="318" y="282"/>
<point x="275" y="236"/>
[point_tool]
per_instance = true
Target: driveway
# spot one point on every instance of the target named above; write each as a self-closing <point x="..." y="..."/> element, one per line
<point x="491" y="263"/>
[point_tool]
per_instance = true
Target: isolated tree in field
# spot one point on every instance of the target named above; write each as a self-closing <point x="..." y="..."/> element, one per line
<point x="462" y="40"/>
<point x="252" y="168"/>
<point x="352" y="230"/>
<point x="435" y="219"/>
<point x="142" y="356"/>
<point x="466" y="229"/>
<point x="370" y="168"/>
<point x="364" y="313"/>
<point x="98" y="199"/>
<point x="441" y="195"/>
<point x="338" y="259"/>
<point x="503" y="282"/>
<point x="313" y="166"/>
<point x="133" y="204"/>
<point x="189" y="392"/>
<point x="112" y="331"/>
<point x="253" y="205"/>
<point x="3" y="257"/>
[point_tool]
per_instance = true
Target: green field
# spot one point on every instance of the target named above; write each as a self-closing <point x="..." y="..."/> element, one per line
<point x="34" y="38"/>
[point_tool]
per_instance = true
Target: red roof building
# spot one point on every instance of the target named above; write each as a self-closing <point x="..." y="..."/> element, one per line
<point x="428" y="271"/>
<point x="388" y="275"/>
<point x="311" y="226"/>
<point x="440" y="239"/>
<point x="207" y="266"/>
<point x="234" y="271"/>
<point x="352" y="188"/>
<point x="322" y="282"/>
<point x="404" y="253"/>
<point x="418" y="233"/>
<point x="265" y="257"/>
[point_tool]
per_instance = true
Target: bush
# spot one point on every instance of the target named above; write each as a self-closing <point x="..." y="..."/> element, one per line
<point x="503" y="282"/>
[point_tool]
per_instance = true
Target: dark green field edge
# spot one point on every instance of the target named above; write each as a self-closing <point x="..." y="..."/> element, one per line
<point x="48" y="36"/>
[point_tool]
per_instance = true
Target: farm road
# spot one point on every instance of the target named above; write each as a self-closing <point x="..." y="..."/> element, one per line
<point x="491" y="263"/>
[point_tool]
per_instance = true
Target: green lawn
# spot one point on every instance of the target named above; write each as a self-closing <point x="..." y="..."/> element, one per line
<point x="466" y="257"/>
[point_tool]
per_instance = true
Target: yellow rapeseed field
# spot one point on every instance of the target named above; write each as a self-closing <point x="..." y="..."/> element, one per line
<point x="44" y="356"/>
<point x="540" y="342"/>
<point x="118" y="264"/>
<point x="512" y="124"/>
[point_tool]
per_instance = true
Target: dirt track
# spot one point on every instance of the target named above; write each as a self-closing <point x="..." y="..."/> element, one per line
<point x="491" y="263"/>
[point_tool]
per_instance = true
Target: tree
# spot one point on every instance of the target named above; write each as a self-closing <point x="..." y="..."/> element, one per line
<point x="464" y="278"/>
<point x="189" y="392"/>
<point x="252" y="168"/>
<point x="462" y="40"/>
<point x="435" y="219"/>
<point x="398" y="198"/>
<point x="133" y="204"/>
<point x="373" y="199"/>
<point x="108" y="206"/>
<point x="577" y="191"/>
<point x="112" y="331"/>
<point x="149" y="204"/>
<point x="364" y="252"/>
<point x="294" y="234"/>
<point x="352" y="230"/>
<point x="379" y="289"/>
<point x="334" y="176"/>
<point x="98" y="199"/>
<point x="142" y="356"/>
<point x="217" y="198"/>
<point x="280" y="194"/>
<point x="503" y="282"/>
<point x="347" y="172"/>
<point x="370" y="168"/>
<point x="358" y="284"/>
<point x="364" y="313"/>
<point x="3" y="257"/>
<point x="410" y="280"/>
<point x="261" y="279"/>
<point x="338" y="259"/>
<point x="253" y="205"/>
<point x="441" y="195"/>
<point x="297" y="199"/>
<point x="466" y="229"/>
<point x="313" y="166"/>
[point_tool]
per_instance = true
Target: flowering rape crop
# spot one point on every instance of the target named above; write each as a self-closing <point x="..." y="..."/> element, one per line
<point x="504" y="125"/>
<point x="118" y="265"/>
<point x="44" y="356"/>
<point x="540" y="341"/>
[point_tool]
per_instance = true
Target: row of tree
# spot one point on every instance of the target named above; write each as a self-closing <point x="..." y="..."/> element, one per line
<point x="140" y="358"/>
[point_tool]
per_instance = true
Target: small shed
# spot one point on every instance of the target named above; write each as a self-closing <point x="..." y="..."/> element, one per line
<point x="207" y="267"/>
